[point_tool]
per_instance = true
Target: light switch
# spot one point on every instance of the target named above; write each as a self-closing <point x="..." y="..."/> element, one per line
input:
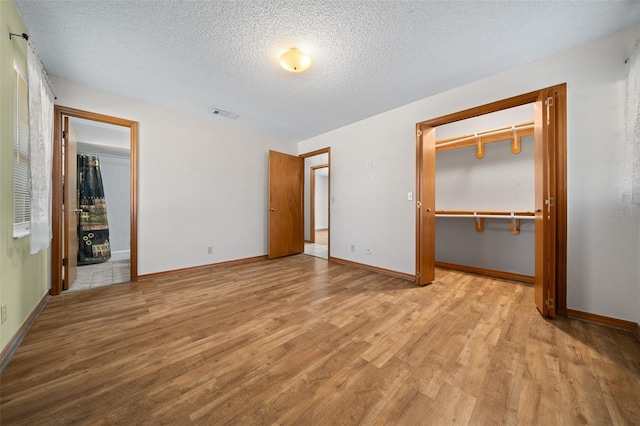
<point x="409" y="196"/>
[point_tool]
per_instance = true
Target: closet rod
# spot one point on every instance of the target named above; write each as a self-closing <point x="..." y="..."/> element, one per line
<point x="483" y="134"/>
<point x="486" y="216"/>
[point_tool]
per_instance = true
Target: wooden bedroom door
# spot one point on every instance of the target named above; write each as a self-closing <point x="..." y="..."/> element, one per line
<point x="286" y="191"/>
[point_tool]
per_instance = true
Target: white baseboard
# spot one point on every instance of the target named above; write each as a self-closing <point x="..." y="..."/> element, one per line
<point x="120" y="255"/>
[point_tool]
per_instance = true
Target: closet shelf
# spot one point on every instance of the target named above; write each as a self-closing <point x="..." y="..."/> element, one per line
<point x="493" y="214"/>
<point x="480" y="216"/>
<point x="513" y="133"/>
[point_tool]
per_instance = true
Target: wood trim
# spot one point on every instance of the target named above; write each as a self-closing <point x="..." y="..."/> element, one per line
<point x="56" y="214"/>
<point x="133" y="194"/>
<point x="16" y="340"/>
<point x="515" y="101"/>
<point x="327" y="151"/>
<point x="312" y="205"/>
<point x="511" y="276"/>
<point x="383" y="271"/>
<point x="316" y="152"/>
<point x="603" y="320"/>
<point x="56" y="206"/>
<point x="94" y="116"/>
<point x="200" y="268"/>
<point x="637" y="331"/>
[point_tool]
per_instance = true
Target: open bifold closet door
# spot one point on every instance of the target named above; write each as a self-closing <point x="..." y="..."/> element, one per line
<point x="543" y="218"/>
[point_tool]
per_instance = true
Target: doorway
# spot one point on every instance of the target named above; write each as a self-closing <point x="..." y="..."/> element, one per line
<point x="316" y="203"/>
<point x="289" y="210"/>
<point x="111" y="143"/>
<point x="550" y="202"/>
<point x="108" y="147"/>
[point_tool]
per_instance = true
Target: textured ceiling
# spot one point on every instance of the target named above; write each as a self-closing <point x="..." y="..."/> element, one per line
<point x="368" y="56"/>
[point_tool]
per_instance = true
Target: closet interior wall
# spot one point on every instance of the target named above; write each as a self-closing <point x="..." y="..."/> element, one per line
<point x="501" y="181"/>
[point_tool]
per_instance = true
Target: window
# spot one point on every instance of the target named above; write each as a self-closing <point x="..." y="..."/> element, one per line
<point x="21" y="196"/>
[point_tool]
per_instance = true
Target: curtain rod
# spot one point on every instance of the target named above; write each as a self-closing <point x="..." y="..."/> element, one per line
<point x="25" y="36"/>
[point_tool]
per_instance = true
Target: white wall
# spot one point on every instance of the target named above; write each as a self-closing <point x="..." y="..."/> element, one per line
<point x="115" y="178"/>
<point x="371" y="206"/>
<point x="202" y="181"/>
<point x="321" y="202"/>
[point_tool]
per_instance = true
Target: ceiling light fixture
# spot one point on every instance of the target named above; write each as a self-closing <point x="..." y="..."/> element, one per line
<point x="295" y="60"/>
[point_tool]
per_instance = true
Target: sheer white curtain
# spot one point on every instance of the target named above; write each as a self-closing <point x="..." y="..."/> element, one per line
<point x="40" y="151"/>
<point x="631" y="176"/>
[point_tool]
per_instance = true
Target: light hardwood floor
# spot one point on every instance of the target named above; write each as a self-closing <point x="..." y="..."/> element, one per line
<point x="305" y="341"/>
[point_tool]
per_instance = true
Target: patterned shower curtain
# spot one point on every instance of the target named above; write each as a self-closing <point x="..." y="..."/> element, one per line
<point x="93" y="228"/>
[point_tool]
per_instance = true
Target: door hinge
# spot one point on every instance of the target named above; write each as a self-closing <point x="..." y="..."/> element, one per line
<point x="419" y="133"/>
<point x="418" y="275"/>
<point x="418" y="204"/>
<point x="549" y="201"/>
<point x="550" y="303"/>
<point x="64" y="134"/>
<point x="549" y="104"/>
<point x="64" y="261"/>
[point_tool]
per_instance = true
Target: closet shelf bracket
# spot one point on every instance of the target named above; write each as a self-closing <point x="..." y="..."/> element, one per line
<point x="479" y="223"/>
<point x="514" y="225"/>
<point x="479" y="216"/>
<point x="479" y="147"/>
<point x="515" y="141"/>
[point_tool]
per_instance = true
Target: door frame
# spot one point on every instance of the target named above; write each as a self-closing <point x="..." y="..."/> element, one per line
<point x="312" y="200"/>
<point x="556" y="155"/>
<point x="327" y="151"/>
<point x="57" y="190"/>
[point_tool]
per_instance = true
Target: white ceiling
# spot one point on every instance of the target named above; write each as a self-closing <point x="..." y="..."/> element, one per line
<point x="368" y="56"/>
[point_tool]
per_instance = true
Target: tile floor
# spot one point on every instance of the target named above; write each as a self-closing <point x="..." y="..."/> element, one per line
<point x="101" y="274"/>
<point x="317" y="250"/>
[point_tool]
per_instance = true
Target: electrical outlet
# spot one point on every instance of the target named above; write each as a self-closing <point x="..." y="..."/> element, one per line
<point x="3" y="314"/>
<point x="369" y="250"/>
<point x="209" y="250"/>
<point x="353" y="248"/>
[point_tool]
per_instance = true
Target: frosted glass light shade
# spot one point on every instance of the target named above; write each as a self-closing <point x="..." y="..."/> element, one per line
<point x="295" y="60"/>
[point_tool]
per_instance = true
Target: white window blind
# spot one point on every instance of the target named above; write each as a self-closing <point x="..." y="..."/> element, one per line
<point x="21" y="196"/>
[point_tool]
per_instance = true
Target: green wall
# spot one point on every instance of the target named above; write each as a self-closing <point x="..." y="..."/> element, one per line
<point x="23" y="278"/>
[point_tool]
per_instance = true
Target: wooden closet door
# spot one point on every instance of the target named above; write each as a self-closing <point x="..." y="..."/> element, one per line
<point x="545" y="211"/>
<point x="426" y="204"/>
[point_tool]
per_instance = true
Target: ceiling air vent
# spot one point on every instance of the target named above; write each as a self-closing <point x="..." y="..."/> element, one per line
<point x="225" y="114"/>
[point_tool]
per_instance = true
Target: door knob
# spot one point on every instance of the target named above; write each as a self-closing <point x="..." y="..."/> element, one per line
<point x="271" y="209"/>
